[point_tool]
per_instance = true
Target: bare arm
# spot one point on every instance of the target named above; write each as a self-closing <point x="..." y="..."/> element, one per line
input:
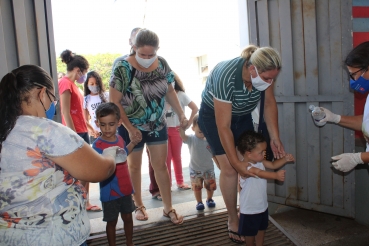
<point x="90" y="129"/>
<point x="183" y="134"/>
<point x="86" y="164"/>
<point x="268" y="175"/>
<point x="65" y="102"/>
<point x="115" y="96"/>
<point x="352" y="122"/>
<point x="172" y="99"/>
<point x="130" y="147"/>
<point x="194" y="110"/>
<point x="271" y="119"/>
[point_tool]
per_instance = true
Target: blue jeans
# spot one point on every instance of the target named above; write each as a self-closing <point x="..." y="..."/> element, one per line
<point x="208" y="126"/>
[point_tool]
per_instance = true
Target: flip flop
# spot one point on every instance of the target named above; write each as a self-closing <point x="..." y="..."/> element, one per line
<point x="157" y="197"/>
<point x="183" y="187"/>
<point x="233" y="239"/>
<point x="97" y="208"/>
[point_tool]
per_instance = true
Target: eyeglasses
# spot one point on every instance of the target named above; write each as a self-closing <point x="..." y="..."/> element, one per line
<point x="352" y="75"/>
<point x="55" y="101"/>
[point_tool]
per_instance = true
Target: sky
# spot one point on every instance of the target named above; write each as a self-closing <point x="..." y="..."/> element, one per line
<point x="186" y="28"/>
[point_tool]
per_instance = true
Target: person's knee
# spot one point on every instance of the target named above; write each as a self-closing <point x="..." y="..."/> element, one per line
<point x="127" y="218"/>
<point x="229" y="172"/>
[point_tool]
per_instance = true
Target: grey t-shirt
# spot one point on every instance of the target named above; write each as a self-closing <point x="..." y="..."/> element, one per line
<point x="116" y="61"/>
<point x="201" y="156"/>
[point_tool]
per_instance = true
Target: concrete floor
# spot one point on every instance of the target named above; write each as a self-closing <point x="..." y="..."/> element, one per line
<point x="306" y="227"/>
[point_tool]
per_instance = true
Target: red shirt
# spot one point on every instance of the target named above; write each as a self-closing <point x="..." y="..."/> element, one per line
<point x="76" y="100"/>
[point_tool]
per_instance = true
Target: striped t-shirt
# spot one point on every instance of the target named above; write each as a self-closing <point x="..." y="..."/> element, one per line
<point x="225" y="84"/>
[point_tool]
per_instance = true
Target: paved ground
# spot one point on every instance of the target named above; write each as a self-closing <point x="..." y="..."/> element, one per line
<point x="306" y="227"/>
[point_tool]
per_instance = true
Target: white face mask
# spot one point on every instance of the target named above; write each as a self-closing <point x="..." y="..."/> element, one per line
<point x="145" y="62"/>
<point x="258" y="83"/>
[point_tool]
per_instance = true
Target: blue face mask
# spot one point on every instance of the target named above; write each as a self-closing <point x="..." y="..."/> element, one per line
<point x="360" y="85"/>
<point x="50" y="112"/>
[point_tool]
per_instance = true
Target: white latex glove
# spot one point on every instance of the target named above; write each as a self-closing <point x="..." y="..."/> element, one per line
<point x="330" y="117"/>
<point x="347" y="161"/>
<point x="110" y="152"/>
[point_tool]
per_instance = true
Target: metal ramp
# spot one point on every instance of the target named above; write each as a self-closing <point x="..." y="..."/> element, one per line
<point x="203" y="229"/>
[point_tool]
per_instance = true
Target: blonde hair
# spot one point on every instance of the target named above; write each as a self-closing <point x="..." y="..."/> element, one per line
<point x="264" y="58"/>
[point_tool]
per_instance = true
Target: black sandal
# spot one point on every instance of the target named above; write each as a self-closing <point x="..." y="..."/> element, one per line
<point x="235" y="240"/>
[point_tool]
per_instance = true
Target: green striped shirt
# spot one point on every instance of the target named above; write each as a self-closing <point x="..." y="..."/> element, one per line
<point x="225" y="84"/>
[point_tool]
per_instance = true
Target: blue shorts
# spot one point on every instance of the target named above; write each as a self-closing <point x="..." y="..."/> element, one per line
<point x="250" y="224"/>
<point x="150" y="138"/>
<point x="208" y="126"/>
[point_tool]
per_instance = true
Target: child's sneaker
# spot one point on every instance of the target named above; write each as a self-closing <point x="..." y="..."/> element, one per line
<point x="200" y="206"/>
<point x="210" y="203"/>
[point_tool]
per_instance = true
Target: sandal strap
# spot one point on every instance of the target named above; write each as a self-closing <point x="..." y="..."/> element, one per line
<point x="140" y="208"/>
<point x="172" y="211"/>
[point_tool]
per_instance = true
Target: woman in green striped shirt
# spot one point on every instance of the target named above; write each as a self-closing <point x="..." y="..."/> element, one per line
<point x="231" y="93"/>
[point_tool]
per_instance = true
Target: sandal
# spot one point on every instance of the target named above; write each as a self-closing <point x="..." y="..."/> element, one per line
<point x="234" y="239"/>
<point x="157" y="197"/>
<point x="141" y="209"/>
<point x="183" y="187"/>
<point x="173" y="211"/>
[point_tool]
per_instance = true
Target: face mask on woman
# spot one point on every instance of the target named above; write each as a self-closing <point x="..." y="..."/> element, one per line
<point x="361" y="84"/>
<point x="93" y="88"/>
<point x="258" y="83"/>
<point x="145" y="62"/>
<point x="82" y="79"/>
<point x="50" y="112"/>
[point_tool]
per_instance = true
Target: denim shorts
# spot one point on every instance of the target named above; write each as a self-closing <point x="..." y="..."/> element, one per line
<point x="250" y="224"/>
<point x="199" y="177"/>
<point x="150" y="138"/>
<point x="123" y="205"/>
<point x="208" y="126"/>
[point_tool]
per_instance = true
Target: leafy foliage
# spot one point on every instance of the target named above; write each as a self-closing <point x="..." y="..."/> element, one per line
<point x="100" y="63"/>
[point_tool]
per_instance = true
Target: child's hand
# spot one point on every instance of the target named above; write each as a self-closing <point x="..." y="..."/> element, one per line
<point x="280" y="175"/>
<point x="289" y="158"/>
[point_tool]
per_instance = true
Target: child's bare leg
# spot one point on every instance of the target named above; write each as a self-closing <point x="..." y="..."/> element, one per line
<point x="250" y="241"/>
<point x="210" y="194"/>
<point x="110" y="231"/>
<point x="198" y="195"/>
<point x="128" y="228"/>
<point x="259" y="238"/>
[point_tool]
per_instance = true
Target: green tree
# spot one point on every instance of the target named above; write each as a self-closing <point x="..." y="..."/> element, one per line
<point x="100" y="63"/>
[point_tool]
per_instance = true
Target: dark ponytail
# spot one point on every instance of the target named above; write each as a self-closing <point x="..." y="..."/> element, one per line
<point x="14" y="89"/>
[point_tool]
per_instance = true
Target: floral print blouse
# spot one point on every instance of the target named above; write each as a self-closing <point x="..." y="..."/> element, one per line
<point x="40" y="202"/>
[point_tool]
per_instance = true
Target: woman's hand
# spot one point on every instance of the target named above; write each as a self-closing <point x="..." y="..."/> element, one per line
<point x="347" y="161"/>
<point x="135" y="135"/>
<point x="184" y="122"/>
<point x="277" y="148"/>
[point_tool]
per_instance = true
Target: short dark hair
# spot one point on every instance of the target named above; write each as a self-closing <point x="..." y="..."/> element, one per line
<point x="106" y="109"/>
<point x="248" y="141"/>
<point x="358" y="57"/>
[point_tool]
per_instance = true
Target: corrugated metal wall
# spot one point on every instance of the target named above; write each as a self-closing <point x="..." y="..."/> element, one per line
<point x="26" y="36"/>
<point x="313" y="38"/>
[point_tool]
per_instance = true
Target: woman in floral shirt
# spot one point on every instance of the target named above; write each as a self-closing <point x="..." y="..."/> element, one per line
<point x="41" y="200"/>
